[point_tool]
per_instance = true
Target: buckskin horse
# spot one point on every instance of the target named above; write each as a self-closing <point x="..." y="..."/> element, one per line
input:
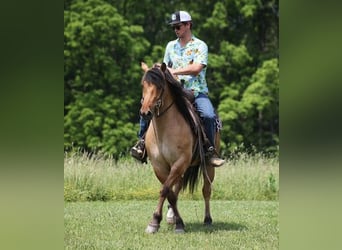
<point x="174" y="144"/>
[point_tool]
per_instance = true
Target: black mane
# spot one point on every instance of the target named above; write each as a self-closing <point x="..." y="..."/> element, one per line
<point x="180" y="99"/>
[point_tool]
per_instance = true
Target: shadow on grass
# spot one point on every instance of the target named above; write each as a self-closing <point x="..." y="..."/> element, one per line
<point x="216" y="226"/>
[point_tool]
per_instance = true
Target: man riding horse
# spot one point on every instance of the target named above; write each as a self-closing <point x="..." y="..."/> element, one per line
<point x="186" y="58"/>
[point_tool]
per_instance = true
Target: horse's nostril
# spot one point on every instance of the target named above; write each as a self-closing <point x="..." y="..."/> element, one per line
<point x="146" y="115"/>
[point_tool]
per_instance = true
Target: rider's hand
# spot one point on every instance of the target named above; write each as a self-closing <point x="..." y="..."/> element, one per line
<point x="172" y="71"/>
<point x="144" y="66"/>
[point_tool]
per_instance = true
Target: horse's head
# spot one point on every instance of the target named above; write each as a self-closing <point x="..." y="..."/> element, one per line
<point x="153" y="86"/>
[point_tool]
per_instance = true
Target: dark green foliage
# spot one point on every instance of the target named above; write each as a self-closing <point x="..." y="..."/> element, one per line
<point x="105" y="41"/>
<point x="250" y="115"/>
<point x="101" y="77"/>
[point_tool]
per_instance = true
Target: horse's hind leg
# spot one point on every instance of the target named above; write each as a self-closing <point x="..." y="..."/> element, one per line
<point x="208" y="175"/>
<point x="170" y="215"/>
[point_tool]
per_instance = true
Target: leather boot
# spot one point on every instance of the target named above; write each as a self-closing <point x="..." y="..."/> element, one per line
<point x="214" y="159"/>
<point x="138" y="151"/>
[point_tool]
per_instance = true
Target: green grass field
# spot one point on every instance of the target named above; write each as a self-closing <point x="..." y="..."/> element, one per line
<point x="121" y="225"/>
<point x="94" y="178"/>
<point x="108" y="205"/>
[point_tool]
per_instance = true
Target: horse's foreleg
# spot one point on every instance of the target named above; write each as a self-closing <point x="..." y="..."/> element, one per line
<point x="154" y="224"/>
<point x="175" y="179"/>
<point x="170" y="216"/>
<point x="172" y="179"/>
<point x="208" y="175"/>
<point x="173" y="216"/>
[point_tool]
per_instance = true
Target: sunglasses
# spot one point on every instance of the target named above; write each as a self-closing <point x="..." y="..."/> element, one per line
<point x="177" y="27"/>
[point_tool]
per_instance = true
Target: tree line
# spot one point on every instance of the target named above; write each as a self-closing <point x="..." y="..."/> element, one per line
<point x="105" y="41"/>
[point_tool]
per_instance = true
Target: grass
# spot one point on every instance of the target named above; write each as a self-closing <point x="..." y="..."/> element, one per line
<point x="244" y="206"/>
<point x="121" y="225"/>
<point x="93" y="178"/>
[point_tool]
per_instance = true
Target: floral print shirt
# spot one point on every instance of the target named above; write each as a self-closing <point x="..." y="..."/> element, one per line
<point x="195" y="51"/>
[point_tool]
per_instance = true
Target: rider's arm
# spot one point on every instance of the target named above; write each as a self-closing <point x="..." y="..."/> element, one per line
<point x="190" y="69"/>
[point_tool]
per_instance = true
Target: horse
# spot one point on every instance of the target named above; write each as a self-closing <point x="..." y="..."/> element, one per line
<point x="174" y="144"/>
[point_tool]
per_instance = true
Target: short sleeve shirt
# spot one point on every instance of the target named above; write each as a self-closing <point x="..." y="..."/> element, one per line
<point x="195" y="51"/>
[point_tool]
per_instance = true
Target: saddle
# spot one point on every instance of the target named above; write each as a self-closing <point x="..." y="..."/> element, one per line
<point x="191" y="98"/>
<point x="202" y="147"/>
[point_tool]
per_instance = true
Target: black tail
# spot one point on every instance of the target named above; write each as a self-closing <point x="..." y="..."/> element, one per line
<point x="190" y="178"/>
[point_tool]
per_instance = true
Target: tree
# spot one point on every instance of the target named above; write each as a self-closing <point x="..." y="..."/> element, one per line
<point x="251" y="117"/>
<point x="101" y="77"/>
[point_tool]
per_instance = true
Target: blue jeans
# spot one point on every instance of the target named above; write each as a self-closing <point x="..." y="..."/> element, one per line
<point x="206" y="112"/>
<point x="143" y="127"/>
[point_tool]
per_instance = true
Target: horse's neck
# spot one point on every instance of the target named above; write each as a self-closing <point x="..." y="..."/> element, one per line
<point x="168" y="99"/>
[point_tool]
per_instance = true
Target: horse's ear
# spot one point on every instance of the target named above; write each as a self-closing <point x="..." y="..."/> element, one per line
<point x="163" y="67"/>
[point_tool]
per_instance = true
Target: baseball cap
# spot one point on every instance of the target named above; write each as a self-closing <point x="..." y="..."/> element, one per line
<point x="180" y="16"/>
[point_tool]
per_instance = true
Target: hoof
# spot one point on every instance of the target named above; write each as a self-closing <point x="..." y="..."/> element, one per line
<point x="152" y="228"/>
<point x="179" y="227"/>
<point x="179" y="231"/>
<point x="208" y="221"/>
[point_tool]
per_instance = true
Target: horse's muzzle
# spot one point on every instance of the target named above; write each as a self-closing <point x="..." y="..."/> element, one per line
<point x="147" y="116"/>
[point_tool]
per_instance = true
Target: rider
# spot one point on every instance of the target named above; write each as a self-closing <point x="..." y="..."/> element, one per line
<point x="187" y="58"/>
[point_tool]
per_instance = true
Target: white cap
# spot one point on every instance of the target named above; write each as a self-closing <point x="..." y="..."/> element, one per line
<point x="180" y="16"/>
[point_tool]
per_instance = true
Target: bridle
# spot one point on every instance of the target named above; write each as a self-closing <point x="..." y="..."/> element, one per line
<point x="159" y="105"/>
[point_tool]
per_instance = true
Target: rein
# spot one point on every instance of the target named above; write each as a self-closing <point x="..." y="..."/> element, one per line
<point x="165" y="110"/>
